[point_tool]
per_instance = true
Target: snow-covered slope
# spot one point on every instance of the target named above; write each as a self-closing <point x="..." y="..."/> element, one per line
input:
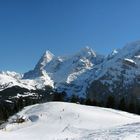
<point x="10" y="79"/>
<point x="67" y="121"/>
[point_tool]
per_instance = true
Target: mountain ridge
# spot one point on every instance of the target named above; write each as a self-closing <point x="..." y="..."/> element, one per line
<point x="75" y="74"/>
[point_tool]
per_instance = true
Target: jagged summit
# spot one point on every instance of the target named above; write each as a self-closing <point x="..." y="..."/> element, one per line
<point x="114" y="52"/>
<point x="48" y="55"/>
<point x="46" y="58"/>
<point x="39" y="68"/>
<point x="86" y="51"/>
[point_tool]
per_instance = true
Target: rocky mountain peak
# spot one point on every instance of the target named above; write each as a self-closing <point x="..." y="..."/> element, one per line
<point x="86" y="51"/>
<point x="46" y="58"/>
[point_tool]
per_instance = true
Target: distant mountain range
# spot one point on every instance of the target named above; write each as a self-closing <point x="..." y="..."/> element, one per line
<point x="85" y="74"/>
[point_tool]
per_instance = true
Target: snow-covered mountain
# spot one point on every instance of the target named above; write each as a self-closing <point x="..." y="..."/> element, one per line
<point x="65" y="71"/>
<point x="71" y="122"/>
<point x="84" y="73"/>
<point x="119" y="74"/>
<point x="61" y="73"/>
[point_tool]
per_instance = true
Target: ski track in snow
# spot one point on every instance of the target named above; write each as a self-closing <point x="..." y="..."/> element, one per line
<point x="116" y="133"/>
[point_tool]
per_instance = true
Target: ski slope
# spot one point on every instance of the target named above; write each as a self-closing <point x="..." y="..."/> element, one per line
<point x="67" y="121"/>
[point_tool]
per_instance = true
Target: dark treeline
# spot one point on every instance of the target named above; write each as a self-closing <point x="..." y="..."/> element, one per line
<point x="130" y="105"/>
<point x="10" y="103"/>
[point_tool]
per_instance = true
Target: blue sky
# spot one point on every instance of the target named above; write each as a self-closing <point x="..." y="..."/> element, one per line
<point x="29" y="27"/>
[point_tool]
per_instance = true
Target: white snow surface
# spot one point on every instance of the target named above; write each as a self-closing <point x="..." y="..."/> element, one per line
<point x="67" y="121"/>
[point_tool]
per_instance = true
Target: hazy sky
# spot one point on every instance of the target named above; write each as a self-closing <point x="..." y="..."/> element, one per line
<point x="29" y="27"/>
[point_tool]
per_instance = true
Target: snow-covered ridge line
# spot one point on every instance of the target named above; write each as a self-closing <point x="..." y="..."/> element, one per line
<point x="51" y="69"/>
<point x="76" y="72"/>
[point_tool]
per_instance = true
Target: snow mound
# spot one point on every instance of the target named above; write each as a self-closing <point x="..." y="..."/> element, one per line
<point x="67" y="121"/>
